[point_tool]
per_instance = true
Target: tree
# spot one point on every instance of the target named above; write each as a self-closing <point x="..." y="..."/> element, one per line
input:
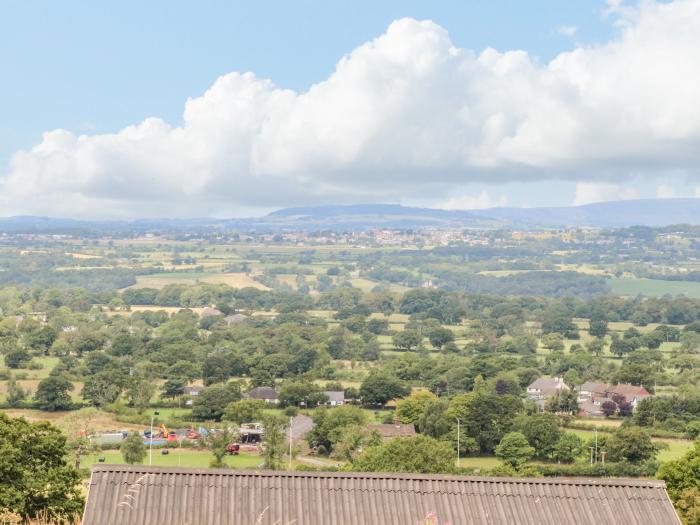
<point x="554" y="342"/>
<point x="596" y="346"/>
<point x="485" y="416"/>
<point x="274" y="442"/>
<point x="329" y="425"/>
<point x="564" y="401"/>
<point x="609" y="408"/>
<point x="244" y="411"/>
<point x="17" y="358"/>
<point x="218" y="444"/>
<point x="213" y="400"/>
<point x="682" y="473"/>
<point x="598" y="324"/>
<point x="173" y="388"/>
<point x="301" y="393"/>
<point x="440" y="336"/>
<point x="351" y="441"/>
<point x="52" y="394"/>
<point x="36" y="479"/>
<point x="411" y="408"/>
<point x="379" y="387"/>
<point x="688" y="506"/>
<point x="568" y="448"/>
<point x="15" y="394"/>
<point x="514" y="449"/>
<point x="420" y="454"/>
<point x="102" y="388"/>
<point x="140" y="390"/>
<point x="78" y="426"/>
<point x="407" y="340"/>
<point x="542" y="432"/>
<point x="434" y="421"/>
<point x="631" y="444"/>
<point x="133" y="448"/>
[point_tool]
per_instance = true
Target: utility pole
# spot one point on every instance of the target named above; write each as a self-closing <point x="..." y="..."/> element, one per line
<point x="458" y="442"/>
<point x="596" y="445"/>
<point x="150" y="440"/>
<point x="290" y="442"/>
<point x="150" y="444"/>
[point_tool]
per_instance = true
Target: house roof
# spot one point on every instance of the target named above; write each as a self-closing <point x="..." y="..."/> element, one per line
<point x="210" y="312"/>
<point x="235" y="318"/>
<point x="388" y="430"/>
<point x="590" y="386"/>
<point x="262" y="392"/>
<point x="335" y="396"/>
<point x="629" y="391"/>
<point x="548" y="386"/>
<point x="134" y="495"/>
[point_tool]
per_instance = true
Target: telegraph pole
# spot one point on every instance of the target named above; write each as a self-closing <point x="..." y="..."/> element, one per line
<point x="458" y="442"/>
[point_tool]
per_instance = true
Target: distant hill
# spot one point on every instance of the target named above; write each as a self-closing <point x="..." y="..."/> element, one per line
<point x="644" y="212"/>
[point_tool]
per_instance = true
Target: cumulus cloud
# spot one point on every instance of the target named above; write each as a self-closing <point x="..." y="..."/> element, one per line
<point x="480" y="201"/>
<point x="590" y="192"/>
<point x="405" y="115"/>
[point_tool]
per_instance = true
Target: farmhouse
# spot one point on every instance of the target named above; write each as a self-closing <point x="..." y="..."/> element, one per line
<point x="264" y="393"/>
<point x="235" y="319"/>
<point x="135" y="495"/>
<point x="210" y="311"/>
<point x="592" y="395"/>
<point x="335" y="398"/>
<point x="544" y="388"/>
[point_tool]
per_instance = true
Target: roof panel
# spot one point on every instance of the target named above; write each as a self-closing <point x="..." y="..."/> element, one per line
<point x="127" y="495"/>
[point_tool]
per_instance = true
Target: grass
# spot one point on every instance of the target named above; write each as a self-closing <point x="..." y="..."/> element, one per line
<point x="160" y="280"/>
<point x="480" y="462"/>
<point x="654" y="287"/>
<point x="178" y="457"/>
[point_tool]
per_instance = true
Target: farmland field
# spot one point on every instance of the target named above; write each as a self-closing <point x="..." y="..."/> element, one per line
<point x="159" y="280"/>
<point x="178" y="457"/>
<point x="654" y="287"/>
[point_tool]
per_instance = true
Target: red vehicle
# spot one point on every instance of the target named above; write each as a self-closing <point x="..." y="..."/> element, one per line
<point x="233" y="449"/>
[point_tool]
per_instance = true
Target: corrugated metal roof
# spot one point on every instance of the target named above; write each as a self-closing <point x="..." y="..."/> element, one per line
<point x="140" y="495"/>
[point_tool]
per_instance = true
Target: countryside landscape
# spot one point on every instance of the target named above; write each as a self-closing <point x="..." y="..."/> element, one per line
<point x="312" y="263"/>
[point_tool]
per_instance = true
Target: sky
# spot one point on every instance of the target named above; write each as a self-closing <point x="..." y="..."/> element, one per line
<point x="224" y="108"/>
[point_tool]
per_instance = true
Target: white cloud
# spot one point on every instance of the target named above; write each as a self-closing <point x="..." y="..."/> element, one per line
<point x="479" y="201"/>
<point x="590" y="192"/>
<point x="666" y="191"/>
<point x="406" y="115"/>
<point x="567" y="30"/>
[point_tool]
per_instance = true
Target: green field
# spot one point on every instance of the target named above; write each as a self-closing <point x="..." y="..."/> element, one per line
<point x="177" y="458"/>
<point x="654" y="287"/>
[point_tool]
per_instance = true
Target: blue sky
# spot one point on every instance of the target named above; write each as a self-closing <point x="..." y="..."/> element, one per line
<point x="96" y="67"/>
<point x="99" y="66"/>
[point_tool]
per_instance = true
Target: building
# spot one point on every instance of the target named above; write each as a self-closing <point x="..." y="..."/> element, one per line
<point x="592" y="395"/>
<point x="191" y="392"/>
<point x="137" y="494"/>
<point x="210" y="311"/>
<point x="544" y="388"/>
<point x="392" y="430"/>
<point x="235" y="319"/>
<point x="264" y="393"/>
<point x="335" y="398"/>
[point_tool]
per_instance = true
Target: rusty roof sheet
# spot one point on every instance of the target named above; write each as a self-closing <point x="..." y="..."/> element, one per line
<point x="138" y="495"/>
